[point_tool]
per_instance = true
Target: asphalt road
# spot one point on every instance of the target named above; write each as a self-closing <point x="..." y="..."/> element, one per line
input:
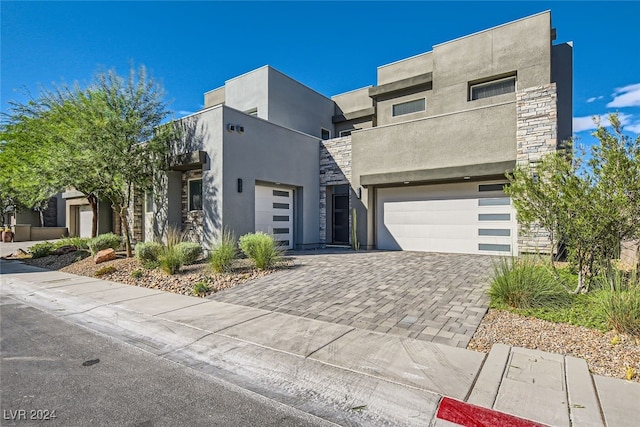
<point x="54" y="373"/>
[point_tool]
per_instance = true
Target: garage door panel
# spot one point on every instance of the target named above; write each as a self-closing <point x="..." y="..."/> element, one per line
<point x="274" y="213"/>
<point x="447" y="217"/>
<point x="425" y="231"/>
<point x="457" y="218"/>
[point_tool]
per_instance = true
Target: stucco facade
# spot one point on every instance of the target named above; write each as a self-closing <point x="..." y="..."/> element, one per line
<point x="466" y="111"/>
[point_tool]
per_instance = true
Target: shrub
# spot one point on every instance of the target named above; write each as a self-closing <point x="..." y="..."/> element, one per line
<point x="151" y="265"/>
<point x="189" y="251"/>
<point x="522" y="283"/>
<point x="222" y="256"/>
<point x="40" y="250"/>
<point x="200" y="288"/>
<point x="137" y="274"/>
<point x="261" y="248"/>
<point x="621" y="304"/>
<point x="104" y="241"/>
<point x="78" y="242"/>
<point x="105" y="270"/>
<point x="170" y="259"/>
<point x="148" y="251"/>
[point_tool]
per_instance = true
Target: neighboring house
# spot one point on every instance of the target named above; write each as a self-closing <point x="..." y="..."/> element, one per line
<point x="421" y="156"/>
<point x="79" y="216"/>
<point x="29" y="224"/>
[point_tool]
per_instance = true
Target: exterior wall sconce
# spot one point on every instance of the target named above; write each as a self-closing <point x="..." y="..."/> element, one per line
<point x="239" y="185"/>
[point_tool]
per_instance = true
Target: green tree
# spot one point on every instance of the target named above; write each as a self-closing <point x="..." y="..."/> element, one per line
<point x="129" y="142"/>
<point x="106" y="141"/>
<point x="28" y="178"/>
<point x="591" y="206"/>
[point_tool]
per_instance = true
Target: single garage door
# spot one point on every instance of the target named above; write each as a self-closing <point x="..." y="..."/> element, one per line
<point x="274" y="213"/>
<point x="468" y="217"/>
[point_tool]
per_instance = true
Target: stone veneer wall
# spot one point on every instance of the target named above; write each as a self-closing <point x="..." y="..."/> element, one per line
<point x="536" y="135"/>
<point x="335" y="169"/>
<point x="192" y="221"/>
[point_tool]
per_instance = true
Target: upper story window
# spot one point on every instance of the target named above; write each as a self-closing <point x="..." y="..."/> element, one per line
<point x="325" y="134"/>
<point x="492" y="88"/>
<point x="195" y="195"/>
<point x="409" y="107"/>
<point x="347" y="132"/>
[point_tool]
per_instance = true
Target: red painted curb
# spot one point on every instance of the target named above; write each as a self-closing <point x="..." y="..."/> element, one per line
<point x="469" y="415"/>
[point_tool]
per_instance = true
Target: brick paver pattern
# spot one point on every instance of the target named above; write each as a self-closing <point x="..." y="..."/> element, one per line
<point x="427" y="296"/>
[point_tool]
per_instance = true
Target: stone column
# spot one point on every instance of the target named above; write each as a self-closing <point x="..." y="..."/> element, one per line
<point x="536" y="135"/>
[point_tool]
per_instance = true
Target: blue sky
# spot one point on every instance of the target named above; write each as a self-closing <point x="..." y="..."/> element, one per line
<point x="333" y="47"/>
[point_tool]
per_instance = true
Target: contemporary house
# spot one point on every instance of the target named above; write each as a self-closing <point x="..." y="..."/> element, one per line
<point x="419" y="159"/>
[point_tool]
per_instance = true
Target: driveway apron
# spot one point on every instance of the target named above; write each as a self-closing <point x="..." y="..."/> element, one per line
<point x="427" y="296"/>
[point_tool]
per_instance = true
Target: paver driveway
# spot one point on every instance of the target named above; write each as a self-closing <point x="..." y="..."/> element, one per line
<point x="427" y="296"/>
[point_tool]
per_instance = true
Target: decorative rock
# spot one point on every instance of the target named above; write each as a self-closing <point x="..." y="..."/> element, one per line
<point x="20" y="253"/>
<point x="105" y="255"/>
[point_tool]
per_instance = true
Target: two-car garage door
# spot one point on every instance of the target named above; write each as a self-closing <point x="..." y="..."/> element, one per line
<point x="467" y="217"/>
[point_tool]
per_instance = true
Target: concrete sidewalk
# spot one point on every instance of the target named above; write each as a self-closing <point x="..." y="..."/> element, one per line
<point x="343" y="374"/>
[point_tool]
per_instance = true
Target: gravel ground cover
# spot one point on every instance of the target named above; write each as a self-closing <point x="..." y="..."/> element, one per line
<point x="608" y="354"/>
<point x="181" y="283"/>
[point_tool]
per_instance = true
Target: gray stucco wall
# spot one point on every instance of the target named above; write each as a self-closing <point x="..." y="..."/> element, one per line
<point x="294" y="105"/>
<point x="249" y="91"/>
<point x="484" y="135"/>
<point x="269" y="153"/>
<point x="523" y="46"/>
<point x="405" y="68"/>
<point x="280" y="100"/>
<point x="351" y="101"/>
<point x="201" y="132"/>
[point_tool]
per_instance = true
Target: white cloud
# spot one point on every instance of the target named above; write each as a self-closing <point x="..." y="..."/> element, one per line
<point x="594" y="98"/>
<point x="588" y="123"/>
<point x="635" y="128"/>
<point x="627" y="96"/>
<point x="184" y="113"/>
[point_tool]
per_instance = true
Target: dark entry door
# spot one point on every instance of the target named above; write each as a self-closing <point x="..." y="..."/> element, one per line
<point x="340" y="215"/>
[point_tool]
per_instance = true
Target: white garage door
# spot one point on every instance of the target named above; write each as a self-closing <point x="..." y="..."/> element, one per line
<point x="86" y="221"/>
<point x="274" y="213"/>
<point x="469" y="217"/>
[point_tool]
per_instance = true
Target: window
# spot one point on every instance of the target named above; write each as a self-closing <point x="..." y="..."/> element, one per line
<point x="195" y="195"/>
<point x="325" y="134"/>
<point x="493" y="247"/>
<point x="149" y="201"/>
<point x="492" y="88"/>
<point x="409" y="107"/>
<point x="492" y="187"/>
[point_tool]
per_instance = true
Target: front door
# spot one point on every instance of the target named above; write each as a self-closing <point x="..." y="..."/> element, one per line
<point x="340" y="214"/>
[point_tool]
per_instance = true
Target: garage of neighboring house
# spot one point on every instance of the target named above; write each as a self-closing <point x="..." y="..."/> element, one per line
<point x="464" y="217"/>
<point x="274" y="213"/>
<point x="84" y="220"/>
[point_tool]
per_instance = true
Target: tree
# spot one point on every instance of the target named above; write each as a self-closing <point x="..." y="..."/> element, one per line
<point x="124" y="121"/>
<point x="28" y="177"/>
<point x="590" y="205"/>
<point x="106" y="140"/>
